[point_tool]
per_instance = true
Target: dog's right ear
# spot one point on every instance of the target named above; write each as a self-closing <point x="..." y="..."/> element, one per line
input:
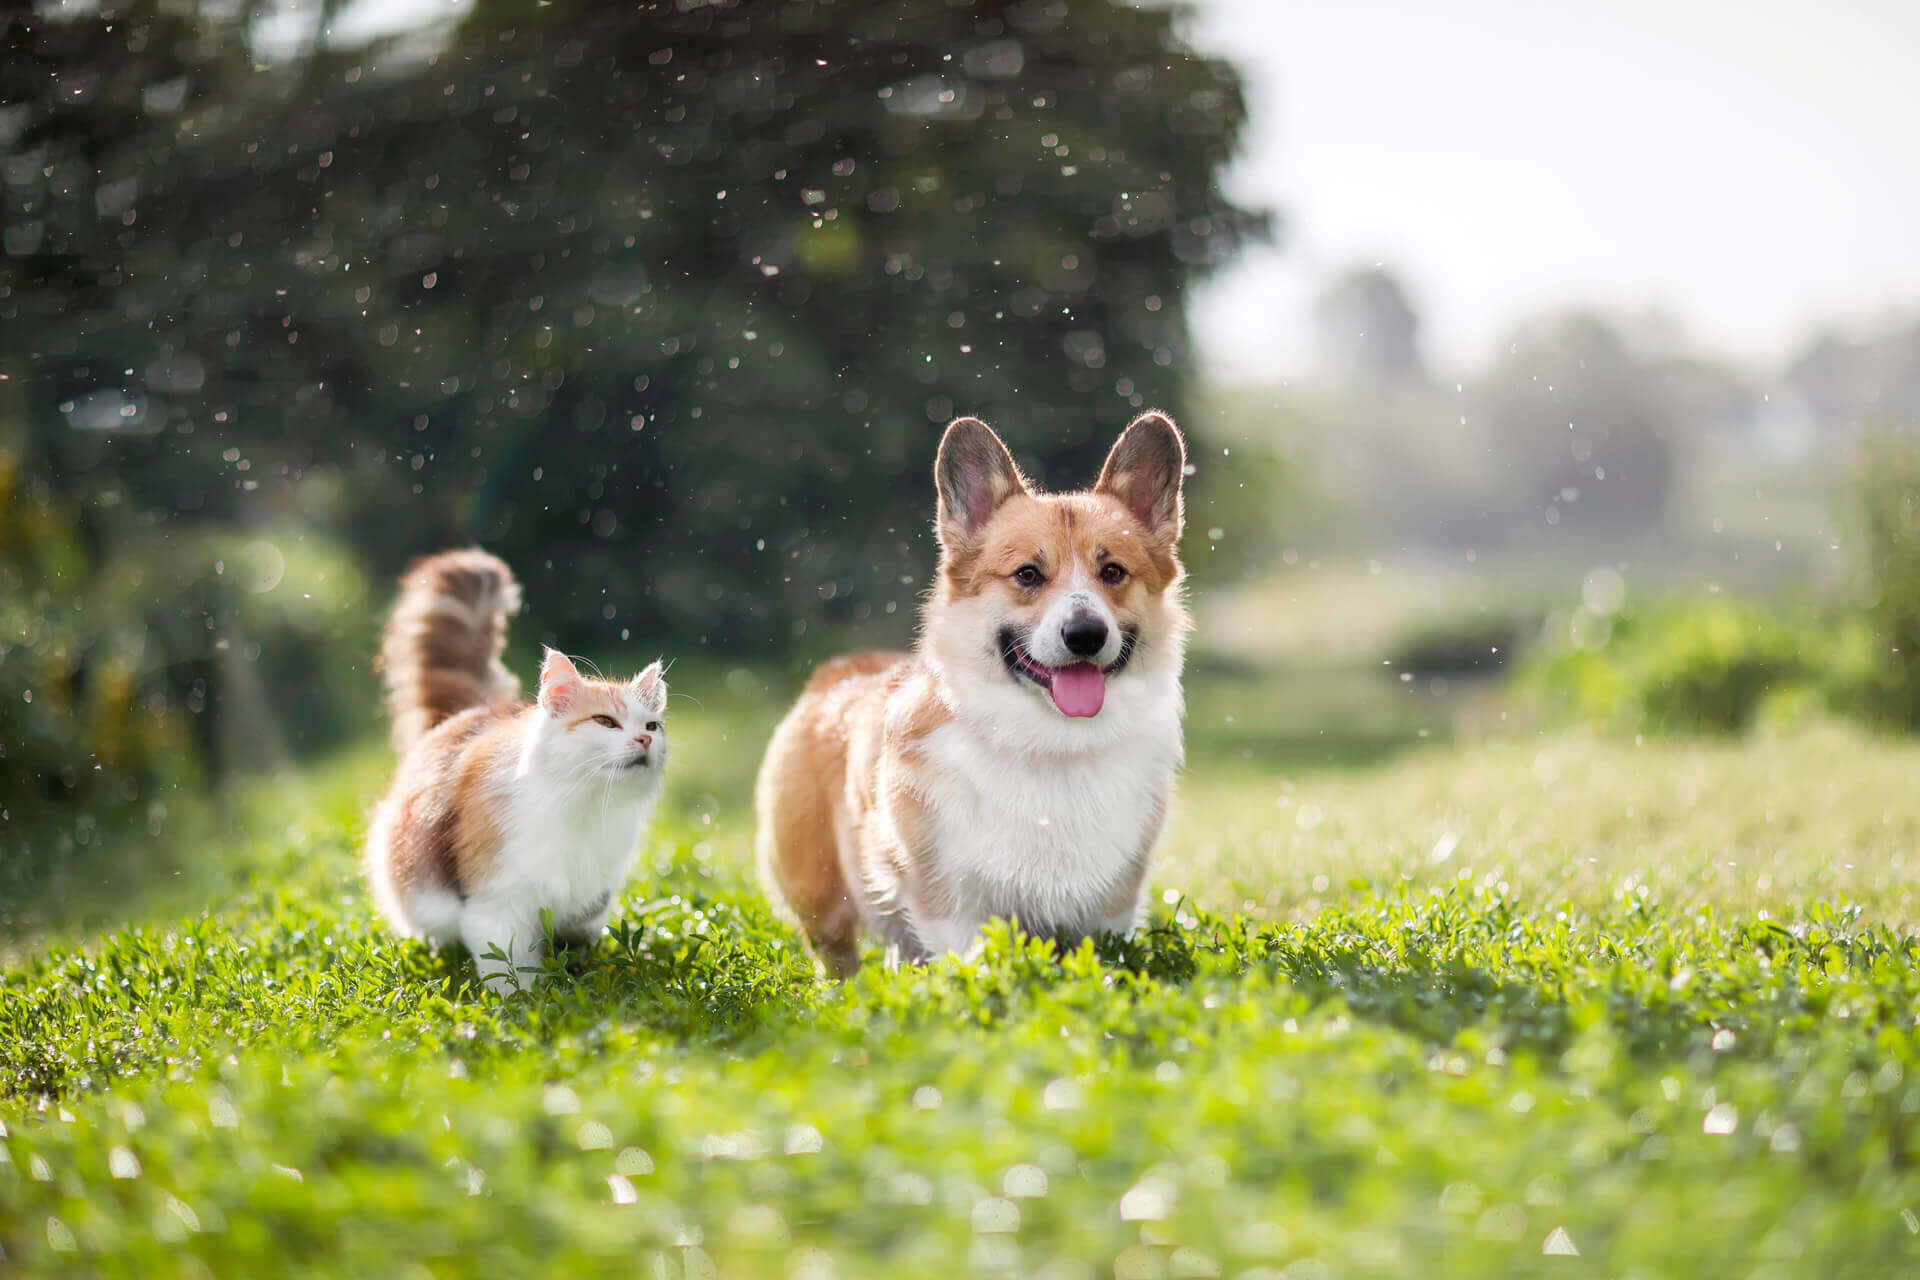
<point x="974" y="475"/>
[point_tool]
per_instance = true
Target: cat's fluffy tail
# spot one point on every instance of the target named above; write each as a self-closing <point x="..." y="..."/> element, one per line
<point x="440" y="653"/>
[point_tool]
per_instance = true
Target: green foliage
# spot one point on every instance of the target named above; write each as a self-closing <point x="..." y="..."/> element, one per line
<point x="1383" y="1054"/>
<point x="1476" y="643"/>
<point x="1887" y="495"/>
<point x="665" y="303"/>
<point x="641" y="296"/>
<point x="1245" y="496"/>
<point x="1716" y="664"/>
<point x="84" y="748"/>
<point x="115" y="662"/>
<point x="1232" y="504"/>
<point x="1706" y="665"/>
<point x="1436" y="1081"/>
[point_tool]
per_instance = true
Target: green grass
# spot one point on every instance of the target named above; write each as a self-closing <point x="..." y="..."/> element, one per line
<point x="1408" y="1007"/>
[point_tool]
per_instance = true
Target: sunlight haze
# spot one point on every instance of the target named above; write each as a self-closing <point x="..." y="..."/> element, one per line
<point x="1746" y="167"/>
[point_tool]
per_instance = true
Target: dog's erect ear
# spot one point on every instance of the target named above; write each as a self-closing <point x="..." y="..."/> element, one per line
<point x="974" y="474"/>
<point x="560" y="683"/>
<point x="1144" y="470"/>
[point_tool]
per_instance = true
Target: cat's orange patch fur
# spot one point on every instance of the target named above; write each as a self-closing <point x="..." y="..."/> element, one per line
<point x="452" y="706"/>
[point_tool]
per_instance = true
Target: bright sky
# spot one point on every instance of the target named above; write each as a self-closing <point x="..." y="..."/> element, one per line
<point x="1750" y="166"/>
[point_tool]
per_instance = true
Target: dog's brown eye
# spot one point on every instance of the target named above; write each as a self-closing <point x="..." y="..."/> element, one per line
<point x="1028" y="575"/>
<point x="1113" y="574"/>
<point x="608" y="721"/>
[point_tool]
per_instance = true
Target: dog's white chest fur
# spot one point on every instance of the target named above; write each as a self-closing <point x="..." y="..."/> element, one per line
<point x="1057" y="841"/>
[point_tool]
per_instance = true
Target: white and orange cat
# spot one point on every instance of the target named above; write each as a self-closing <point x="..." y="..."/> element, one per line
<point x="502" y="810"/>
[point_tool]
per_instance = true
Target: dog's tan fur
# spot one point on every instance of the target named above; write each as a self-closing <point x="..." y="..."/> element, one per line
<point x="849" y="793"/>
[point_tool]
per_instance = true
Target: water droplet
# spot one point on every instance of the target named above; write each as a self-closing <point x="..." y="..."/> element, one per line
<point x="1148" y="1200"/>
<point x="1559" y="1244"/>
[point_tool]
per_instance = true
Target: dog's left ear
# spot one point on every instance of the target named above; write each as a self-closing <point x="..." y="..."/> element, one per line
<point x="1145" y="469"/>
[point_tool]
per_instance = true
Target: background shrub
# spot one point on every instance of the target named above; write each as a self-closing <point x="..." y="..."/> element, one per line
<point x="130" y="674"/>
<point x="1887" y="496"/>
<point x="1701" y="665"/>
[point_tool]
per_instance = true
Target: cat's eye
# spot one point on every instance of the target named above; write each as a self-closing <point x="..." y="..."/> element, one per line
<point x="653" y="726"/>
<point x="1113" y="573"/>
<point x="607" y="721"/>
<point x="1028" y="575"/>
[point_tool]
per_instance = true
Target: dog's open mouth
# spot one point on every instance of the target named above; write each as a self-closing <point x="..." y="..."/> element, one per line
<point x="1078" y="689"/>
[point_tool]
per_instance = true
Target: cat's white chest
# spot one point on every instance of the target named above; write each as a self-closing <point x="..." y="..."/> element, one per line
<point x="567" y="859"/>
<point x="1049" y="840"/>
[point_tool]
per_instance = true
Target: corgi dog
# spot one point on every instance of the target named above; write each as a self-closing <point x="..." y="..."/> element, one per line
<point x="1018" y="763"/>
<point x="501" y="810"/>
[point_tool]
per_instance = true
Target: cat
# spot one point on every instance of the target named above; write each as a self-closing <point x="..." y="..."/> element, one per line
<point x="503" y="810"/>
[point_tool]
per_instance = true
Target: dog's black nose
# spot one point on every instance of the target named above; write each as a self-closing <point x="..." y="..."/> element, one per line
<point x="1084" y="634"/>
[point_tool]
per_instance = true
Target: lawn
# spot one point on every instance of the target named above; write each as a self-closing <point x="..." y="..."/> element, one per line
<point x="1426" y="993"/>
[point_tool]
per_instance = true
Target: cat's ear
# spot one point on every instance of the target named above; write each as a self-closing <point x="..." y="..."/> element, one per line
<point x="560" y="683"/>
<point x="651" y="685"/>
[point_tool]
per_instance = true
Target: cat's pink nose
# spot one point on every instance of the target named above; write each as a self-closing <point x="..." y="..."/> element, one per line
<point x="643" y="740"/>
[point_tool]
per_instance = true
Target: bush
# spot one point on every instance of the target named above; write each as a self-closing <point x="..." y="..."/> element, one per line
<point x="1716" y="665"/>
<point x="1701" y="666"/>
<point x="1887" y="495"/>
<point x="1464" y="645"/>
<point x="130" y="678"/>
<point x="74" y="726"/>
<point x="83" y="752"/>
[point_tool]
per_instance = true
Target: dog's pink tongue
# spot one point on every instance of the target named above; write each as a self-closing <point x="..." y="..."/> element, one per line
<point x="1079" y="690"/>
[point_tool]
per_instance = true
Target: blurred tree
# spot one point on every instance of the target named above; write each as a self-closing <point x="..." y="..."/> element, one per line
<point x="1887" y="495"/>
<point x="1847" y="388"/>
<point x="1369" y="330"/>
<point x="1825" y="377"/>
<point x="81" y="747"/>
<point x="1583" y="427"/>
<point x="664" y="302"/>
